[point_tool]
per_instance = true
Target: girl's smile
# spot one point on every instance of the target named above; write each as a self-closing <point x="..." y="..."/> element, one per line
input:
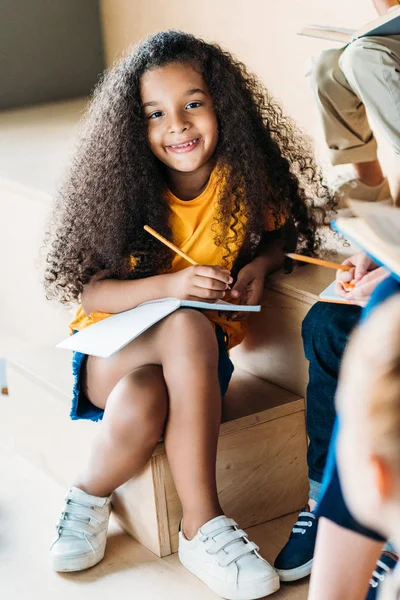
<point x="187" y="146"/>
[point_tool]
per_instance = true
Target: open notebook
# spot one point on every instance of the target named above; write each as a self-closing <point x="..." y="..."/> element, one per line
<point x="376" y="230"/>
<point x="329" y="295"/>
<point x="387" y="24"/>
<point x="113" y="333"/>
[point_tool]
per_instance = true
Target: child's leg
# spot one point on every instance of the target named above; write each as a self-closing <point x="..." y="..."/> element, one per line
<point x="220" y="554"/>
<point x="134" y="396"/>
<point x="191" y="436"/>
<point x="131" y="388"/>
<point x="133" y="422"/>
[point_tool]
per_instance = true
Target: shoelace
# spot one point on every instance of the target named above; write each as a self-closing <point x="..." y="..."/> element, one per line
<point x="74" y="522"/>
<point x="237" y="535"/>
<point x="301" y="526"/>
<point x="377" y="577"/>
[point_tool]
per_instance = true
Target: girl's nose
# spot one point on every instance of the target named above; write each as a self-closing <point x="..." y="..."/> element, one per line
<point x="178" y="125"/>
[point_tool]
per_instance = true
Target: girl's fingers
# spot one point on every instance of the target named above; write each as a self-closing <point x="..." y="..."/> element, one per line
<point x="208" y="295"/>
<point x="214" y="273"/>
<point x="210" y="284"/>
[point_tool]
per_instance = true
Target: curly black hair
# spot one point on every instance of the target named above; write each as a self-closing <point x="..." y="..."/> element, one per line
<point x="116" y="184"/>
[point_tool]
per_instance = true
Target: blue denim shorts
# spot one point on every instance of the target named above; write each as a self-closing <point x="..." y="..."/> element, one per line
<point x="82" y="408"/>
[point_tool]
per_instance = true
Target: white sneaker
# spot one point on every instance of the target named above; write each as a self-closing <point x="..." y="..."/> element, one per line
<point x="223" y="558"/>
<point x="81" y="532"/>
<point x="354" y="189"/>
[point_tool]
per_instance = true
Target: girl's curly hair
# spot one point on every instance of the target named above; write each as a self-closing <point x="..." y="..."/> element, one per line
<point x="115" y="184"/>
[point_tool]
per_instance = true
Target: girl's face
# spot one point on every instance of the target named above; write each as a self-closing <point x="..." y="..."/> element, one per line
<point x="181" y="122"/>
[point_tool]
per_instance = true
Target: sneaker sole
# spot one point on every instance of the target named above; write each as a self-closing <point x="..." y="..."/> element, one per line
<point x="295" y="574"/>
<point x="76" y="563"/>
<point x="249" y="591"/>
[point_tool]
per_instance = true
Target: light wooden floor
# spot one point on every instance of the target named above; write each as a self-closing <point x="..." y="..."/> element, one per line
<point x="29" y="507"/>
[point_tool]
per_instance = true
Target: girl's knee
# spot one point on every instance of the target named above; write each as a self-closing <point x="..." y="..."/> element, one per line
<point x="139" y="404"/>
<point x="186" y="326"/>
<point x="189" y="342"/>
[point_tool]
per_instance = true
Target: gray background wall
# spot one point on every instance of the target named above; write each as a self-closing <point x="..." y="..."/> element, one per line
<point x="49" y="50"/>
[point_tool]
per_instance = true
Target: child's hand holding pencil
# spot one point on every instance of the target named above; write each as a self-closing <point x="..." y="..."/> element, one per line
<point x="206" y="283"/>
<point x="363" y="276"/>
<point x="356" y="277"/>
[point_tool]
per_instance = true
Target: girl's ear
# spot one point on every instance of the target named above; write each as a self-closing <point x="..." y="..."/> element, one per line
<point x="383" y="478"/>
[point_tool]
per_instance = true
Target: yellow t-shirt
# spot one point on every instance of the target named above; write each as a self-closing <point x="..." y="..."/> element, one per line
<point x="193" y="226"/>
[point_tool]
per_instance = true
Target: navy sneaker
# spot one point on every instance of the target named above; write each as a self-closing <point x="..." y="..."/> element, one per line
<point x="295" y="560"/>
<point x="384" y="566"/>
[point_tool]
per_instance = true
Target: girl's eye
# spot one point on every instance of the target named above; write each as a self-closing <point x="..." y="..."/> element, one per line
<point x="156" y="114"/>
<point x="193" y="105"/>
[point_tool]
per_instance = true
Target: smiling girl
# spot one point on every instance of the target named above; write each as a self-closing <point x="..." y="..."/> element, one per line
<point x="181" y="137"/>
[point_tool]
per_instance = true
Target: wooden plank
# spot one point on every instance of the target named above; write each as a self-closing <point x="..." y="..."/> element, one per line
<point x="161" y="505"/>
<point x="305" y="283"/>
<point x="134" y="505"/>
<point x="262" y="417"/>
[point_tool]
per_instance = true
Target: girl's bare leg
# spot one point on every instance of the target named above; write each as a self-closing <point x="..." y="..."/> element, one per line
<point x="191" y="436"/>
<point x="133" y="422"/>
<point x="343" y="563"/>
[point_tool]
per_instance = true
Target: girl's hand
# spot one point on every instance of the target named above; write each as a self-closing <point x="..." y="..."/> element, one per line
<point x="357" y="285"/>
<point x="201" y="283"/>
<point x="248" y="288"/>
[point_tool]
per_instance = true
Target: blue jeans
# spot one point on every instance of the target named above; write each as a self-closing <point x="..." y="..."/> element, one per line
<point x="325" y="332"/>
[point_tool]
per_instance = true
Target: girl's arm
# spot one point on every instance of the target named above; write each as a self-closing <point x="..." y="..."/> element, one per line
<point x="270" y="254"/>
<point x="194" y="283"/>
<point x="114" y="295"/>
<point x="249" y="285"/>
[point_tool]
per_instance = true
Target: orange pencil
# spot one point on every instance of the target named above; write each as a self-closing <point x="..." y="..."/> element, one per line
<point x="323" y="263"/>
<point x="319" y="261"/>
<point x="163" y="240"/>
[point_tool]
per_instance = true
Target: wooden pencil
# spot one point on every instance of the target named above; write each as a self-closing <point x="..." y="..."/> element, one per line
<point x="170" y="245"/>
<point x="319" y="261"/>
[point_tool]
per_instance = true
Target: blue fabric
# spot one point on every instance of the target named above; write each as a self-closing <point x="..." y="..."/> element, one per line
<point x="331" y="503"/>
<point x="326" y="330"/>
<point x="82" y="408"/>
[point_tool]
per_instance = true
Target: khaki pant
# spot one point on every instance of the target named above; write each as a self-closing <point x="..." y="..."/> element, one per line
<point x="363" y="75"/>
